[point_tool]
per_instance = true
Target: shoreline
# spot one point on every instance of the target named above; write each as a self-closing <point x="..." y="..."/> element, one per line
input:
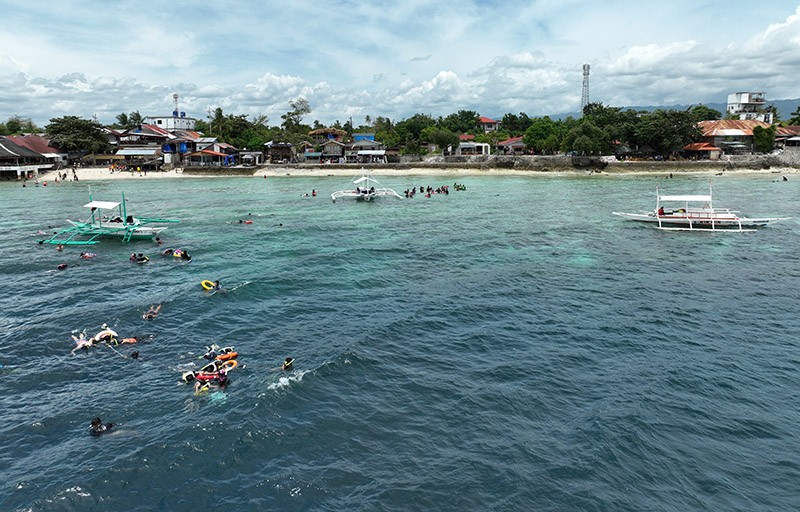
<point x="103" y="173"/>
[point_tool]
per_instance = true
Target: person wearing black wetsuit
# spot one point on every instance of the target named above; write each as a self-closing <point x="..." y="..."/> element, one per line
<point x="98" y="427"/>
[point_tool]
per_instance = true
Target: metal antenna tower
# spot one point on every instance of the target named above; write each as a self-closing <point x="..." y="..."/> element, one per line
<point x="585" y="92"/>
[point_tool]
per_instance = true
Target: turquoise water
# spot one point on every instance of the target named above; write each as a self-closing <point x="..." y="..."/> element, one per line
<point x="509" y="347"/>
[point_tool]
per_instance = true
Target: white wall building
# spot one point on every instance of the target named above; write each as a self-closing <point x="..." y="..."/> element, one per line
<point x="749" y="106"/>
<point x="173" y="122"/>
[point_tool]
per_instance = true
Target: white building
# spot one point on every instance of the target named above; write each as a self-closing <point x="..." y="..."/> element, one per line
<point x="173" y="122"/>
<point x="749" y="106"/>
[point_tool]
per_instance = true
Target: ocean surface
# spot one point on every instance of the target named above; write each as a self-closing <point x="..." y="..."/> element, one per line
<point x="512" y="346"/>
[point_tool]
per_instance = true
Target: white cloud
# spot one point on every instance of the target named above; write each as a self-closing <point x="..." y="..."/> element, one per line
<point x="429" y="56"/>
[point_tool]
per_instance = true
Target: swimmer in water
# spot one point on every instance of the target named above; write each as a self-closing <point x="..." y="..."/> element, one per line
<point x="98" y="427"/>
<point x="217" y="286"/>
<point x="105" y="334"/>
<point x="211" y="352"/>
<point x="153" y="312"/>
<point x="81" y="342"/>
<point x="288" y="364"/>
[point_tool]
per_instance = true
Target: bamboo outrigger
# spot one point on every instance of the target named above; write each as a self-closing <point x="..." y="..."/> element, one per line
<point x="120" y="225"/>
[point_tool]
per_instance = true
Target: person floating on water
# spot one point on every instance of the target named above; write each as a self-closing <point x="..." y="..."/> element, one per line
<point x="59" y="247"/>
<point x="88" y="255"/>
<point x="105" y="334"/>
<point x="81" y="342"/>
<point x="153" y="312"/>
<point x="98" y="427"/>
<point x="220" y="381"/>
<point x="159" y="241"/>
<point x="217" y="286"/>
<point x="211" y="352"/>
<point x="118" y="341"/>
<point x="288" y="364"/>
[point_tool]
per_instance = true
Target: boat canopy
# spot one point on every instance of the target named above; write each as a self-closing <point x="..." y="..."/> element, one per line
<point x="691" y="198"/>
<point x="102" y="205"/>
<point x="365" y="178"/>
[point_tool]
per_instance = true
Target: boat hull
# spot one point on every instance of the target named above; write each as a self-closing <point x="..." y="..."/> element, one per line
<point x="707" y="221"/>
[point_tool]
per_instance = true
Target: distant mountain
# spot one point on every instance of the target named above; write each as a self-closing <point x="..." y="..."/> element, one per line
<point x="785" y="108"/>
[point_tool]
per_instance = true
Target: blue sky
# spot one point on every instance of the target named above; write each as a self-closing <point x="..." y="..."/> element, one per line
<point x="392" y="59"/>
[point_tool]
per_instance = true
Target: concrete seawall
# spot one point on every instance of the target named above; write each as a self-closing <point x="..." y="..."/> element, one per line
<point x="784" y="161"/>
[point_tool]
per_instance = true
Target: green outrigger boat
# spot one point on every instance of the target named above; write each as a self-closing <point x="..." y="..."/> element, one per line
<point x="110" y="220"/>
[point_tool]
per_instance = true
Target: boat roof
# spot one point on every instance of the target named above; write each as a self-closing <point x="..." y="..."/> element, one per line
<point x="689" y="198"/>
<point x="365" y="178"/>
<point x="102" y="205"/>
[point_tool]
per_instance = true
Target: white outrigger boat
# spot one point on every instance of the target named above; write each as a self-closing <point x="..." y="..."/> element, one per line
<point x="686" y="215"/>
<point x="365" y="190"/>
<point x="115" y="224"/>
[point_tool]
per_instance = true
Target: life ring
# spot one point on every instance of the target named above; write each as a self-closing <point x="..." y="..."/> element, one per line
<point x="142" y="260"/>
<point x="207" y="285"/>
<point x="230" y="364"/>
<point x="227" y="356"/>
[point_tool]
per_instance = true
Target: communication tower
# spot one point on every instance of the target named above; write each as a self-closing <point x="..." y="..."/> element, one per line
<point x="175" y="98"/>
<point x="585" y="92"/>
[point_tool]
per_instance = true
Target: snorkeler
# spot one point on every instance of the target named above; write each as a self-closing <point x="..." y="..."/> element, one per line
<point x="211" y="352"/>
<point x="288" y="364"/>
<point x="98" y="427"/>
<point x="220" y="381"/>
<point x="105" y="334"/>
<point x="81" y="342"/>
<point x="153" y="312"/>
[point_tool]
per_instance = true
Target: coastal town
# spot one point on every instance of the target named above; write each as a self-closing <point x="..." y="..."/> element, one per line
<point x="181" y="142"/>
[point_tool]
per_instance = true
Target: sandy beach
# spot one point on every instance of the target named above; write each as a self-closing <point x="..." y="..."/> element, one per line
<point x="103" y="173"/>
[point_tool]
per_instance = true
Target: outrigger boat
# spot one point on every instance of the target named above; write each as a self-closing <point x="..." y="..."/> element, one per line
<point x="365" y="190"/>
<point x="116" y="224"/>
<point x="696" y="212"/>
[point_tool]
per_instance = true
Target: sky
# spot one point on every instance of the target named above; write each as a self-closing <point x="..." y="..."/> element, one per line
<point x="352" y="59"/>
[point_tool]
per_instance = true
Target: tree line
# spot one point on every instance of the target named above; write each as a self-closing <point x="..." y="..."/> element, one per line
<point x="601" y="130"/>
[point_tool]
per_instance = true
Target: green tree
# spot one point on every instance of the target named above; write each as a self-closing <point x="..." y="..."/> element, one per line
<point x="463" y="121"/>
<point x="764" y="138"/>
<point x="409" y="131"/>
<point x="703" y="113"/>
<point x="122" y="121"/>
<point x="292" y="119"/>
<point x="443" y="138"/>
<point x="17" y="125"/>
<point x="667" y="131"/>
<point x="135" y="118"/>
<point x="515" y="124"/>
<point x="71" y="133"/>
<point x="492" y="138"/>
<point x="13" y="126"/>
<point x="795" y="119"/>
<point x="586" y="139"/>
<point x="541" y="135"/>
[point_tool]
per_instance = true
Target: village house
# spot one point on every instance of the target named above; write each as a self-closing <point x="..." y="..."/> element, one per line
<point x="732" y="136"/>
<point x="473" y="149"/>
<point x="488" y="124"/>
<point x="42" y="146"/>
<point x="19" y="162"/>
<point x="512" y="146"/>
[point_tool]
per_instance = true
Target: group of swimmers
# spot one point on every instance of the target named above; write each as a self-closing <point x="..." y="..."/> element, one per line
<point x="140" y="258"/>
<point x="428" y="191"/>
<point x="177" y="253"/>
<point x="107" y="336"/>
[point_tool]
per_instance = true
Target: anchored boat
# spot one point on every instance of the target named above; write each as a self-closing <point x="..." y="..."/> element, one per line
<point x="108" y="219"/>
<point x="696" y="212"/>
<point x="365" y="190"/>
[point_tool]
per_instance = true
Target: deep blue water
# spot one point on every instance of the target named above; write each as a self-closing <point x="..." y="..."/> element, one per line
<point x="509" y="347"/>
